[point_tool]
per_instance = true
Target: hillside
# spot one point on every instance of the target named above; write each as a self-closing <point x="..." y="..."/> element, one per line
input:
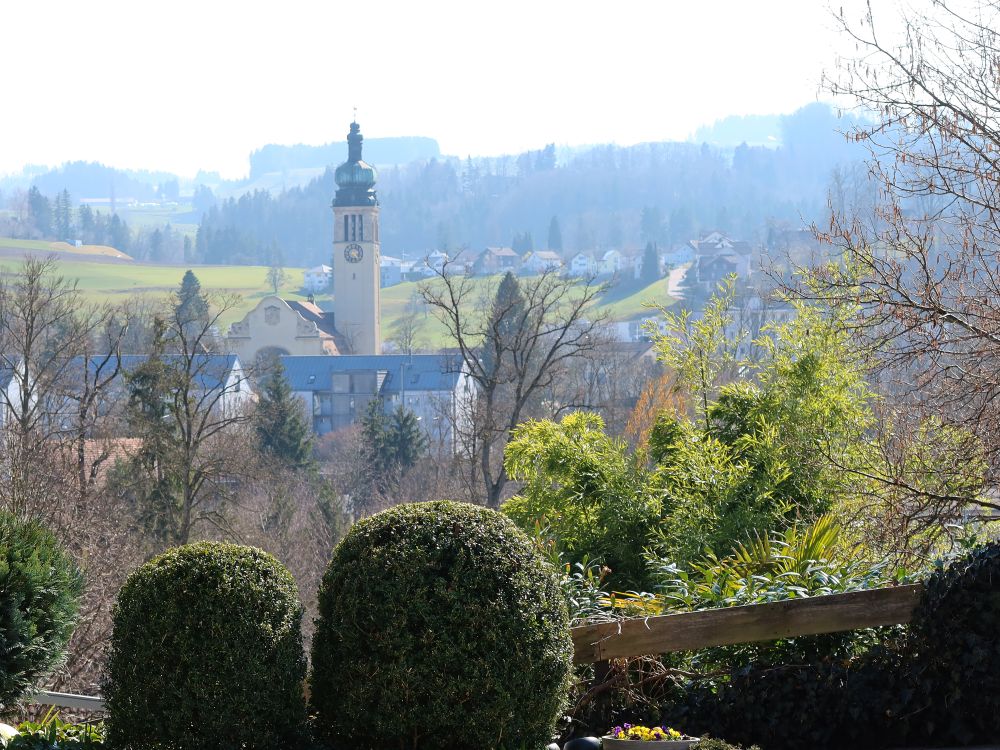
<point x="116" y="282"/>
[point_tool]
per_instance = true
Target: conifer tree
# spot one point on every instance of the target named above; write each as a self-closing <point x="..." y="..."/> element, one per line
<point x="281" y="422"/>
<point x="507" y="316"/>
<point x="555" y="235"/>
<point x="650" y="264"/>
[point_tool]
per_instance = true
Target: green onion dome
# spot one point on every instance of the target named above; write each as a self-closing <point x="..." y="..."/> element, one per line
<point x="355" y="178"/>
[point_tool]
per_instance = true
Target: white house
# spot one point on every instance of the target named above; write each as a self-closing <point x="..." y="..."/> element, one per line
<point x="317" y="279"/>
<point x="611" y="263"/>
<point x="582" y="264"/>
<point x="541" y="261"/>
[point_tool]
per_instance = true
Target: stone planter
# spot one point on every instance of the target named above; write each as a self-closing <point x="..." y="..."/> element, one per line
<point x="610" y="743"/>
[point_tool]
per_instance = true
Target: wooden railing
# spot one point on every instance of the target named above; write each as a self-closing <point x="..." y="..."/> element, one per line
<point x="689" y="631"/>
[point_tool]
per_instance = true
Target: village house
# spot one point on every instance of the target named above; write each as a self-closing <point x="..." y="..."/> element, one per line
<point x="494" y="260"/>
<point x="582" y="264"/>
<point x="540" y="261"/>
<point x="317" y="279"/>
<point x="612" y="262"/>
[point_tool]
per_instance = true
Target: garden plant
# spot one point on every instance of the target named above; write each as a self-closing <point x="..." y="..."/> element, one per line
<point x="207" y="653"/>
<point x="441" y="628"/>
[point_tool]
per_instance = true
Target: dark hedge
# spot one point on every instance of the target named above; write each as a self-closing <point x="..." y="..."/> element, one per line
<point x="207" y="653"/>
<point x="955" y="673"/>
<point x="934" y="683"/>
<point x="440" y="627"/>
<point x="40" y="588"/>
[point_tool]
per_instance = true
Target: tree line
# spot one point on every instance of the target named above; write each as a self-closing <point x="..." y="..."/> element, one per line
<point x="601" y="197"/>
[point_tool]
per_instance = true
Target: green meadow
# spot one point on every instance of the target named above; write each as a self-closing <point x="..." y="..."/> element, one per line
<point x="117" y="282"/>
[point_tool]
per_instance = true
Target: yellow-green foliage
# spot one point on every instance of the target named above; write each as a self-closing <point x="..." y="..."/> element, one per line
<point x="586" y="488"/>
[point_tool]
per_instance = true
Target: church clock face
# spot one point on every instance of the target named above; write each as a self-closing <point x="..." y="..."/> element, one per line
<point x="353" y="253"/>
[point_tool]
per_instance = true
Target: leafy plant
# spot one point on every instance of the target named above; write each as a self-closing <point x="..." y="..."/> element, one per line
<point x="206" y="652"/>
<point x="594" y="496"/>
<point x="469" y="646"/>
<point x="52" y="733"/>
<point x="40" y="588"/>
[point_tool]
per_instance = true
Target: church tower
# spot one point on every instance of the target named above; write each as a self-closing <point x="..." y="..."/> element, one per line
<point x="356" y="288"/>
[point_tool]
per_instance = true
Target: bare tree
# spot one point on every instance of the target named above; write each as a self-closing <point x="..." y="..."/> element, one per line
<point x="513" y="338"/>
<point x="923" y="268"/>
<point x="189" y="407"/>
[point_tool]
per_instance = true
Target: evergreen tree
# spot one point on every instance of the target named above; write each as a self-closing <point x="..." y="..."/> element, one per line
<point x="405" y="441"/>
<point x="190" y="304"/>
<point x="40" y="211"/>
<point x="85" y="220"/>
<point x="118" y="234"/>
<point x="650" y="264"/>
<point x="522" y="243"/>
<point x="281" y="421"/>
<point x="555" y="235"/>
<point x="393" y="443"/>
<point x="506" y="319"/>
<point x="63" y="216"/>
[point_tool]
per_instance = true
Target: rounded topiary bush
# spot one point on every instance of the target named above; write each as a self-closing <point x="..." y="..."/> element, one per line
<point x="206" y="652"/>
<point x="439" y="627"/>
<point x="955" y="640"/>
<point x="40" y="588"/>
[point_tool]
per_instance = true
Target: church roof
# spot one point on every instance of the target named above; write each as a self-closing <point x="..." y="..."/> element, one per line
<point x="403" y="372"/>
<point x="333" y="343"/>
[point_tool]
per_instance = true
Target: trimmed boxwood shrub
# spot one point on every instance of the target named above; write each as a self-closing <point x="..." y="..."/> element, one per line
<point x="40" y="588"/>
<point x="440" y="627"/>
<point x="206" y="653"/>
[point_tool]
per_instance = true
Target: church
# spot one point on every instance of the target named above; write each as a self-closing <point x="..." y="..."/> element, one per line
<point x="284" y="327"/>
<point x="333" y="359"/>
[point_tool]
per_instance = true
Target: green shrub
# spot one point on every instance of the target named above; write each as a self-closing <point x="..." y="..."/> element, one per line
<point x="206" y="652"/>
<point x="710" y="743"/>
<point x="40" y="589"/>
<point x="440" y="627"/>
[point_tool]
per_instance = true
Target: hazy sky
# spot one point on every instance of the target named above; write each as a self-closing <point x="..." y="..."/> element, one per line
<point x="186" y="85"/>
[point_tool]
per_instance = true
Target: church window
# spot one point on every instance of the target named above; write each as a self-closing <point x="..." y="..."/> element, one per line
<point x="361" y="228"/>
<point x="346" y="237"/>
<point x="354" y="227"/>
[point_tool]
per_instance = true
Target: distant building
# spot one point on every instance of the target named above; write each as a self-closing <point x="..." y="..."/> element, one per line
<point x="356" y="248"/>
<point x="541" y="261"/>
<point x="612" y="262"/>
<point x="496" y="260"/>
<point x="317" y="279"/>
<point x="582" y="264"/>
<point x="716" y="257"/>
<point x="337" y="390"/>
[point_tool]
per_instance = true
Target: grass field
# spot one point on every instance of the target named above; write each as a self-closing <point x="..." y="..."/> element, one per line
<point x="44" y="246"/>
<point x="117" y="282"/>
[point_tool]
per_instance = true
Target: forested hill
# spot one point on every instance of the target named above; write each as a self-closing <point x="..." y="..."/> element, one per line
<point x="601" y="197"/>
<point x="274" y="158"/>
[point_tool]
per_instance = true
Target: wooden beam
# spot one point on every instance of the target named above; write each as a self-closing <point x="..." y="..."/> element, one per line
<point x="689" y="631"/>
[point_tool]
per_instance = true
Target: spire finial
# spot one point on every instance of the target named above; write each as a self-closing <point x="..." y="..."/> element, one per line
<point x="355" y="114"/>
